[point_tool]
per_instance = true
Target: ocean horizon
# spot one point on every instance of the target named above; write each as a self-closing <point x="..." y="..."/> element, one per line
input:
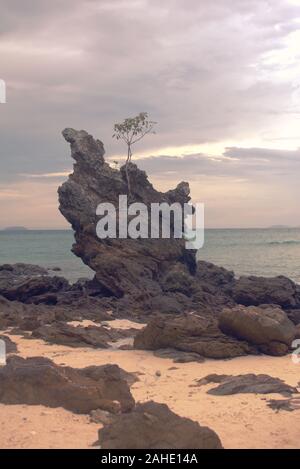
<point x="247" y="251"/>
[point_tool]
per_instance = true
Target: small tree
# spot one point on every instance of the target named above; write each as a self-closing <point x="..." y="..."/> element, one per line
<point x="131" y="131"/>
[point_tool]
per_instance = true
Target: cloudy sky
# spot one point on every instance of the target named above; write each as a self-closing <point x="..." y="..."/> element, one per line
<point x="221" y="77"/>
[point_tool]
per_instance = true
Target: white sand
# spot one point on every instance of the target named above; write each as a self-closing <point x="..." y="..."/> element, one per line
<point x="241" y="421"/>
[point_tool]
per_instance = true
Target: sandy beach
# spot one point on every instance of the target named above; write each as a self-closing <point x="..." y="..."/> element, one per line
<point x="241" y="421"/>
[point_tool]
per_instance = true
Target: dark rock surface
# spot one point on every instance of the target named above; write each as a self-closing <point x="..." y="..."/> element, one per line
<point x="289" y="405"/>
<point x="155" y="426"/>
<point x="28" y="317"/>
<point x="294" y="315"/>
<point x="259" y="290"/>
<point x="36" y="290"/>
<point x="122" y="266"/>
<point x="267" y="326"/>
<point x="211" y="274"/>
<point x="248" y="383"/>
<point x="177" y="356"/>
<point x="65" y="334"/>
<point x="38" y="380"/>
<point x="21" y="270"/>
<point x="79" y="336"/>
<point x="190" y="333"/>
<point x="30" y="284"/>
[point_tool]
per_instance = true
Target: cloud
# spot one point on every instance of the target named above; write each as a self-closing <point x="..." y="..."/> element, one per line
<point x="208" y="72"/>
<point x="248" y="163"/>
<point x="59" y="175"/>
<point x="195" y="66"/>
<point x="241" y="188"/>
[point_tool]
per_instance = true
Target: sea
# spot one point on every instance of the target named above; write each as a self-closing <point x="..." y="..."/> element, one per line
<point x="264" y="252"/>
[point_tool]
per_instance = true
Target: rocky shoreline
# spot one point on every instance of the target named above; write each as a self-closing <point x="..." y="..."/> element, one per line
<point x="103" y="392"/>
<point x="242" y="316"/>
<point x="180" y="310"/>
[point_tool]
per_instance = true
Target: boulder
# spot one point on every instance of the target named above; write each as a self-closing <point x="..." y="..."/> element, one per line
<point x="155" y="426"/>
<point x="248" y="383"/>
<point x="190" y="333"/>
<point x="79" y="336"/>
<point x="36" y="290"/>
<point x="28" y="317"/>
<point x="294" y="316"/>
<point x="65" y="334"/>
<point x="266" y="326"/>
<point x="30" y="283"/>
<point x="39" y="381"/>
<point x="122" y="266"/>
<point x="21" y="270"/>
<point x="164" y="304"/>
<point x="255" y="291"/>
<point x="213" y="275"/>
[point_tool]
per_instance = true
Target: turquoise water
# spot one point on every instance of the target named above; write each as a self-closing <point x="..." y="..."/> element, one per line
<point x="44" y="248"/>
<point x="264" y="252"/>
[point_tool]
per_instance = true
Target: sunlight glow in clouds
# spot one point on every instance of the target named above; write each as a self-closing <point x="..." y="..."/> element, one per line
<point x="215" y="75"/>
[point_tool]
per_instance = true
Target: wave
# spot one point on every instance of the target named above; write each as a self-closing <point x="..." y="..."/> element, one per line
<point x="288" y="241"/>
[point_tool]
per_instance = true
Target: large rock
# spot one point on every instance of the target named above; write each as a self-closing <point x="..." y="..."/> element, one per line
<point x="38" y="380"/>
<point x="79" y="336"/>
<point x="65" y="334"/>
<point x="30" y="284"/>
<point x="190" y="333"/>
<point x="178" y="356"/>
<point x="28" y="317"/>
<point x="37" y="290"/>
<point x="294" y="315"/>
<point x="21" y="270"/>
<point x="246" y="384"/>
<point x="122" y="266"/>
<point x="267" y="326"/>
<point x="155" y="426"/>
<point x="211" y="274"/>
<point x="255" y="291"/>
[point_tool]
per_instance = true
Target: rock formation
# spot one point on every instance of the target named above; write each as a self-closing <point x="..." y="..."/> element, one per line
<point x="38" y="380"/>
<point x="268" y="327"/>
<point x="248" y="383"/>
<point x="155" y="426"/>
<point x="30" y="284"/>
<point x="289" y="405"/>
<point x="259" y="290"/>
<point x="122" y="266"/>
<point x="190" y="333"/>
<point x="154" y="280"/>
<point x="91" y="336"/>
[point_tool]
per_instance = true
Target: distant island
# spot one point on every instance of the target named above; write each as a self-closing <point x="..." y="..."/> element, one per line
<point x="280" y="227"/>
<point x="15" y="228"/>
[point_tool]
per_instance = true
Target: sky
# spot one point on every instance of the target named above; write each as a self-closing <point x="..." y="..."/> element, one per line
<point x="220" y="77"/>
